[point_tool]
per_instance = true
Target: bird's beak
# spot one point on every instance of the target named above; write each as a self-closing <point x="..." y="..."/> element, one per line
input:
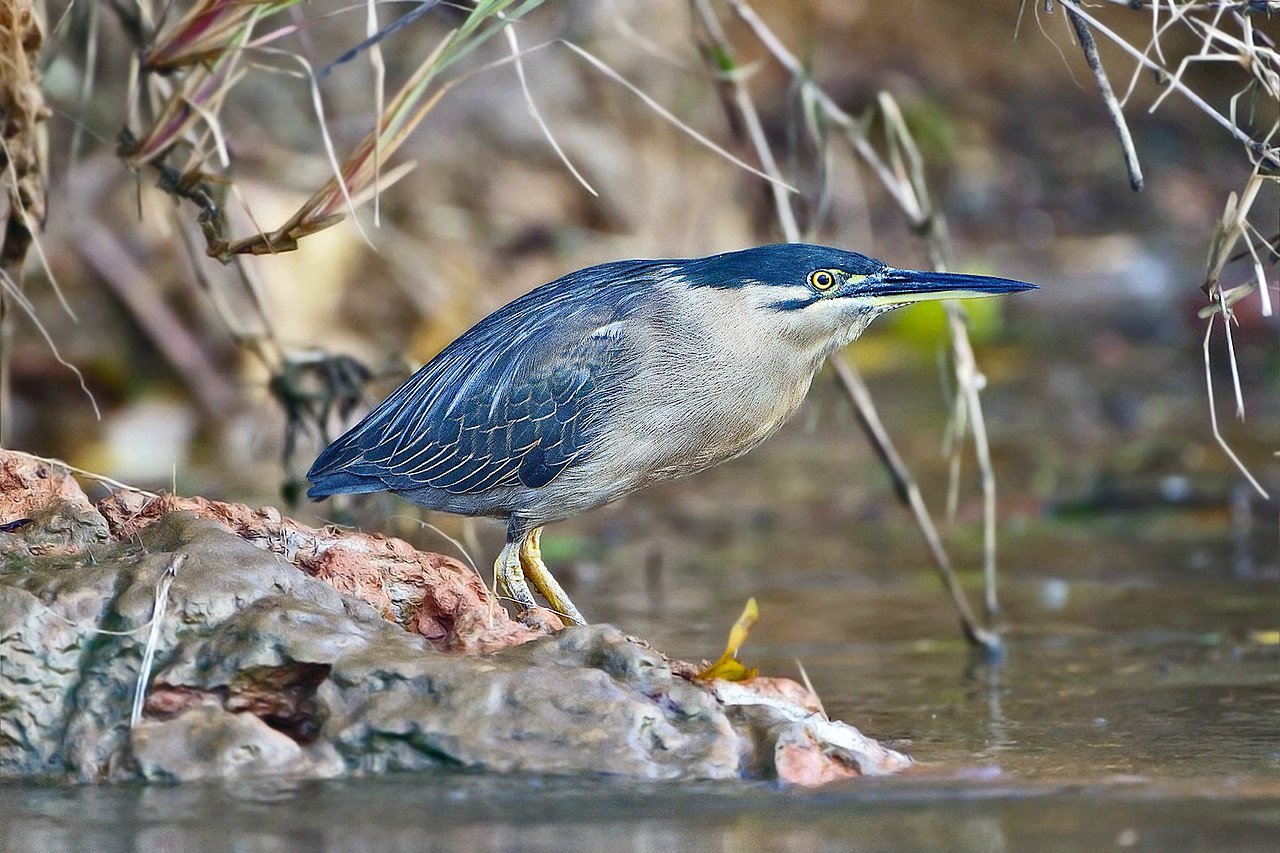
<point x="901" y="287"/>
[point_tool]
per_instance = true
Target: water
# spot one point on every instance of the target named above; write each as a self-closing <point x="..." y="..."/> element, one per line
<point x="1137" y="706"/>
<point x="1149" y="670"/>
<point x="455" y="811"/>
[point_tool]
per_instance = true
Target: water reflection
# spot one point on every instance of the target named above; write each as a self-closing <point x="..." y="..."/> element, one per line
<point x="450" y="811"/>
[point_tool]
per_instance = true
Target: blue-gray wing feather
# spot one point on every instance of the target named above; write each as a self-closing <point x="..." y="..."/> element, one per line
<point x="516" y="399"/>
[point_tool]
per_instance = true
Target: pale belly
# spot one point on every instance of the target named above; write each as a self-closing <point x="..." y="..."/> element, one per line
<point x="669" y="436"/>
<point x="698" y="398"/>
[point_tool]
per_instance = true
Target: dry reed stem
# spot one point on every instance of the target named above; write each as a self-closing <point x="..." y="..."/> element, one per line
<point x="905" y="173"/>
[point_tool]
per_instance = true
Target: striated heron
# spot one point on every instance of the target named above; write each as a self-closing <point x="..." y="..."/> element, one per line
<point x="613" y="378"/>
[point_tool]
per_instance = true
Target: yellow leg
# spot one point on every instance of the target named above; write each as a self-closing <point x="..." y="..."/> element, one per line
<point x="510" y="575"/>
<point x="539" y="575"/>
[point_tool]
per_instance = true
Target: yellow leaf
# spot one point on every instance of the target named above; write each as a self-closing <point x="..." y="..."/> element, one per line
<point x="728" y="666"/>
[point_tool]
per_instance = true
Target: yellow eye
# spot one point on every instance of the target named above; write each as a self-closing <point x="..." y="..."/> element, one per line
<point x="821" y="280"/>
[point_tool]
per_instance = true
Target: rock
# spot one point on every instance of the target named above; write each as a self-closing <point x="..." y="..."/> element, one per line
<point x="207" y="742"/>
<point x="584" y="700"/>
<point x="429" y="594"/>
<point x="802" y="746"/>
<point x="285" y="650"/>
<point x="43" y="510"/>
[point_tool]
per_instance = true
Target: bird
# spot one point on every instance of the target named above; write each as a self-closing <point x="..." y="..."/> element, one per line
<point x="613" y="378"/>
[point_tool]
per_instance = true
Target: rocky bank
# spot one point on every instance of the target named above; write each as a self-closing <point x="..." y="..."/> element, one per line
<point x="280" y="649"/>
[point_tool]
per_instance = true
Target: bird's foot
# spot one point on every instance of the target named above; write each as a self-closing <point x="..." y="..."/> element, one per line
<point x="542" y="619"/>
<point x="510" y="574"/>
<point x="537" y="573"/>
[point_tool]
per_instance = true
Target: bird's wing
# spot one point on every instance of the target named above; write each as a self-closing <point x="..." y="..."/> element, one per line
<point x="517" y="398"/>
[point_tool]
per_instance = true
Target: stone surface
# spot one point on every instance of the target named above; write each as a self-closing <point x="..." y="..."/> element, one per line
<point x="43" y="510"/>
<point x="208" y="742"/>
<point x="284" y="650"/>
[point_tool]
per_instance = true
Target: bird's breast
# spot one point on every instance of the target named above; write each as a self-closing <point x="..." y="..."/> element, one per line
<point x="702" y="395"/>
<point x="738" y="409"/>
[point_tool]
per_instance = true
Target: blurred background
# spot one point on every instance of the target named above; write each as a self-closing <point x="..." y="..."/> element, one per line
<point x="1138" y="562"/>
<point x="1095" y="385"/>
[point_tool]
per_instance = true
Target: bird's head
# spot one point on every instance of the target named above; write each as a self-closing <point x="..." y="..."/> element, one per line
<point x="824" y="297"/>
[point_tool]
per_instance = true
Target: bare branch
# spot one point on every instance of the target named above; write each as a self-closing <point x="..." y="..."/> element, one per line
<point x="1090" y="48"/>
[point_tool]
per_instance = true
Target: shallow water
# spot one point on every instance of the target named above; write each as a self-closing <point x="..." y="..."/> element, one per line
<point x="1151" y="667"/>
<point x="1137" y="704"/>
<point x="456" y="811"/>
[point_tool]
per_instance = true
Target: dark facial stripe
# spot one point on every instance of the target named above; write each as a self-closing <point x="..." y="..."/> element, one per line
<point x="794" y="304"/>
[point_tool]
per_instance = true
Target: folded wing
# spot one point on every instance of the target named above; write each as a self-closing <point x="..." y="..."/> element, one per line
<point x="516" y="400"/>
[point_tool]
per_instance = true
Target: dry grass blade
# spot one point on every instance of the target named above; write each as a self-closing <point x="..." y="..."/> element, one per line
<point x="907" y="168"/>
<point x="359" y="177"/>
<point x="358" y="172"/>
<point x="199" y="99"/>
<point x="92" y="475"/>
<point x="1213" y="415"/>
<point x="204" y="34"/>
<point x="855" y="130"/>
<point x="26" y="206"/>
<point x="905" y="154"/>
<point x="159" y="605"/>
<point x="379" y="96"/>
<point x="971" y="382"/>
<point x="719" y="57"/>
<point x="203" y="44"/>
<point x="514" y="44"/>
<point x="808" y="685"/>
<point x="1233" y="228"/>
<point x="605" y="69"/>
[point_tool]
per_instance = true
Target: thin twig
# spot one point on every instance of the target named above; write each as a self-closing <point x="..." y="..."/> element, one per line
<point x="10" y="287"/>
<point x="1091" y="58"/>
<point x="605" y="69"/>
<point x="379" y="89"/>
<point x="969" y="378"/>
<point x="1213" y="415"/>
<point x="17" y="208"/>
<point x="101" y="478"/>
<point x="1227" y="317"/>
<point x="514" y="43"/>
<point x="737" y="81"/>
<point x="1186" y="91"/>
<point x="909" y="493"/>
<point x="971" y="382"/>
